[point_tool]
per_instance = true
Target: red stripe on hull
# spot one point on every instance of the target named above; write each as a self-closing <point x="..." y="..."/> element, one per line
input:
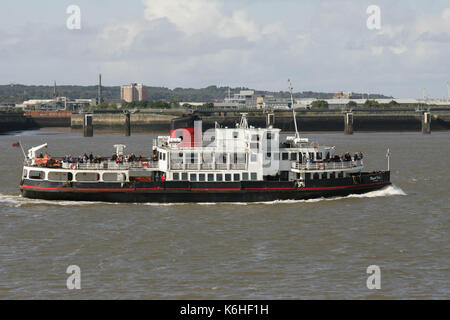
<point x="201" y="189"/>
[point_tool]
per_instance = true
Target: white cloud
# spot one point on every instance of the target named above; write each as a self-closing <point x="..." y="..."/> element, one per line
<point x="119" y="38"/>
<point x="431" y="25"/>
<point x="202" y="16"/>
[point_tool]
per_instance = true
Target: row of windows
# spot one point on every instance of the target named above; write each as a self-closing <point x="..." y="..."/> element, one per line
<point x="324" y="175"/>
<point x="211" y="177"/>
<point x="81" y="176"/>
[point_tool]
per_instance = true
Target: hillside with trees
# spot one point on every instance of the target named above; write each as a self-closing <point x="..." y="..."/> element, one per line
<point x="17" y="93"/>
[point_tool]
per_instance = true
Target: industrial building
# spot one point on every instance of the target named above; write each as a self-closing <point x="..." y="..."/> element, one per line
<point x="133" y="92"/>
<point x="58" y="103"/>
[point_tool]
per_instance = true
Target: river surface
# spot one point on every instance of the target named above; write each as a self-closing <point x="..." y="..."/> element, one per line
<point x="317" y="249"/>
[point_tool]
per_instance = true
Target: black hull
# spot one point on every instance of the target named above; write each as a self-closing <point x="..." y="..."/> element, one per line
<point x="185" y="192"/>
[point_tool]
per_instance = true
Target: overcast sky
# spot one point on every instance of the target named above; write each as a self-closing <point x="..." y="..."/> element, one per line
<point x="321" y="45"/>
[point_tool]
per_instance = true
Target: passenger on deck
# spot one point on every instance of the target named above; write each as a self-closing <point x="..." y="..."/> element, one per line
<point x="114" y="157"/>
<point x="91" y="157"/>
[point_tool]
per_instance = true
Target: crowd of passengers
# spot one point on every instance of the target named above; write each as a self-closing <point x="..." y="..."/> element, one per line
<point x="98" y="159"/>
<point x="345" y="157"/>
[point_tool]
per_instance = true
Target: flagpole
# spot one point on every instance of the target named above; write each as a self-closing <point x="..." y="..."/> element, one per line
<point x="23" y="151"/>
<point x="389" y="158"/>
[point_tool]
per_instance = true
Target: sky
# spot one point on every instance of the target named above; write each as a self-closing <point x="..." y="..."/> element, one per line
<point x="321" y="45"/>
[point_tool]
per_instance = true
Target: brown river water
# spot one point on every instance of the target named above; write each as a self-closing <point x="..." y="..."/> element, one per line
<point x="317" y="249"/>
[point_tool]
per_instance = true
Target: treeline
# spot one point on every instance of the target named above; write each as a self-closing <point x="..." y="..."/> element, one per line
<point x="322" y="104"/>
<point x="17" y="93"/>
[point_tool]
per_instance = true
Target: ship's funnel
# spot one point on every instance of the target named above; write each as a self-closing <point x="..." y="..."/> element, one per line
<point x="186" y="128"/>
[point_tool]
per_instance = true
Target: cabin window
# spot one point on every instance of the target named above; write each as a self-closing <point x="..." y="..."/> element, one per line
<point x="341" y="174"/>
<point x="253" y="158"/>
<point x="228" y="177"/>
<point x="285" y="156"/>
<point x="245" y="176"/>
<point x="176" y="176"/>
<point x="235" y="134"/>
<point x="89" y="176"/>
<point x="236" y="177"/>
<point x="110" y="177"/>
<point x="308" y="176"/>
<point x="219" y="177"/>
<point x="254" y="145"/>
<point x="319" y="156"/>
<point x="253" y="176"/>
<point x="316" y="176"/>
<point x="269" y="135"/>
<point x="201" y="177"/>
<point x="25" y="172"/>
<point x="311" y="155"/>
<point x="293" y="156"/>
<point x="58" y="176"/>
<point x="192" y="158"/>
<point x="184" y="176"/>
<point x="164" y="156"/>
<point x="210" y="177"/>
<point x="38" y="175"/>
<point x="324" y="175"/>
<point x="332" y="175"/>
<point x="193" y="177"/>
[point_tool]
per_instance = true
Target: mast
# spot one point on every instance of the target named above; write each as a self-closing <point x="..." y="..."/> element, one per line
<point x="293" y="109"/>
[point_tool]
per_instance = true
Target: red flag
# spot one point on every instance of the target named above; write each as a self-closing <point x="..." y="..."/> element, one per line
<point x="16" y="144"/>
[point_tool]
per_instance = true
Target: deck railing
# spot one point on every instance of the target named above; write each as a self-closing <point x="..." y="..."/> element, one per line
<point x="110" y="165"/>
<point x="207" y="166"/>
<point x="327" y="165"/>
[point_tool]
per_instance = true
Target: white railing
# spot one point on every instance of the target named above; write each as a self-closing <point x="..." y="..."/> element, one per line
<point x="327" y="165"/>
<point x="110" y="165"/>
<point x="207" y="166"/>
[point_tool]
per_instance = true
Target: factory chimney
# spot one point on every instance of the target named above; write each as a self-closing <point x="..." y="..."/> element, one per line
<point x="99" y="98"/>
<point x="55" y="94"/>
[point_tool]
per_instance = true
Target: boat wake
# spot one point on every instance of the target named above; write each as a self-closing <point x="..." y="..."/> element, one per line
<point x="19" y="201"/>
<point x="388" y="191"/>
<point x="12" y="200"/>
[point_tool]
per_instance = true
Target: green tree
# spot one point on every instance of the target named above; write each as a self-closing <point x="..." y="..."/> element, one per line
<point x="393" y="104"/>
<point x="352" y="105"/>
<point x="371" y="104"/>
<point x="322" y="104"/>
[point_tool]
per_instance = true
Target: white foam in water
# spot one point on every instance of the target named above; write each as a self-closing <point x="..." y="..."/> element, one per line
<point x="391" y="190"/>
<point x="18" y="200"/>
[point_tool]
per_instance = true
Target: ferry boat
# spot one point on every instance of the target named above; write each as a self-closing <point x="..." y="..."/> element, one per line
<point x="239" y="164"/>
